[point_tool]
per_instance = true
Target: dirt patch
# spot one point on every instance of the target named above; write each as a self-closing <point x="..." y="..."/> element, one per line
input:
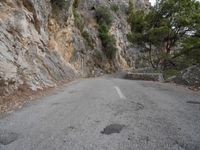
<point x="23" y="95"/>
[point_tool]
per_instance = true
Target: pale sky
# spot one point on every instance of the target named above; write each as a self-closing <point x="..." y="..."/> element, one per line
<point x="152" y="2"/>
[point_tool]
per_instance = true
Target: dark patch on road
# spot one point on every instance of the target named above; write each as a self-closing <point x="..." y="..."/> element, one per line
<point x="71" y="127"/>
<point x="54" y="104"/>
<point x="113" y="128"/>
<point x="139" y="106"/>
<point x="73" y="91"/>
<point x="187" y="145"/>
<point x="7" y="137"/>
<point x="193" y="102"/>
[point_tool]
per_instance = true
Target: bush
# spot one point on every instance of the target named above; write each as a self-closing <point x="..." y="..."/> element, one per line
<point x="104" y="19"/>
<point x="115" y="7"/>
<point x="170" y="72"/>
<point x="98" y="55"/>
<point x="88" y="39"/>
<point x="79" y="22"/>
<point x="104" y="16"/>
<point x="108" y="42"/>
<point x="75" y="4"/>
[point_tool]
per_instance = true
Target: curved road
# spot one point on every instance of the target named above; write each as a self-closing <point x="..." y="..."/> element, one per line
<point x="106" y="114"/>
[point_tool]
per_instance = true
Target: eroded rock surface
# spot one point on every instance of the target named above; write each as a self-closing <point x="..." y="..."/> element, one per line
<point x="189" y="77"/>
<point x="41" y="45"/>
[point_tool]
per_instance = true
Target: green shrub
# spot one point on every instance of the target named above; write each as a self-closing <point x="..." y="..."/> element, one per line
<point x="114" y="7"/>
<point x="108" y="41"/>
<point x="170" y="72"/>
<point x="79" y="22"/>
<point x="98" y="55"/>
<point x="104" y="19"/>
<point x="104" y="16"/>
<point x="75" y="4"/>
<point x="88" y="39"/>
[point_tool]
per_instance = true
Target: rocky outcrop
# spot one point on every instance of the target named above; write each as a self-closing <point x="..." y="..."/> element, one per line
<point x="189" y="77"/>
<point x="145" y="76"/>
<point x="25" y="58"/>
<point x="41" y="44"/>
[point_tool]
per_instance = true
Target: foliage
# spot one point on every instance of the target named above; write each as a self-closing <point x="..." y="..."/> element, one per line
<point x="78" y="19"/>
<point x="170" y="72"/>
<point x="98" y="55"/>
<point x="104" y="19"/>
<point x="59" y="3"/>
<point x="191" y="48"/>
<point x="108" y="42"/>
<point x="75" y="4"/>
<point x="115" y="7"/>
<point x="104" y="16"/>
<point x="131" y="7"/>
<point x="88" y="39"/>
<point x="79" y="22"/>
<point x="164" y="27"/>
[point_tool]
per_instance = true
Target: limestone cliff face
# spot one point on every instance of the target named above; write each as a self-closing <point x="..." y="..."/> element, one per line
<point x="25" y="58"/>
<point x="41" y="45"/>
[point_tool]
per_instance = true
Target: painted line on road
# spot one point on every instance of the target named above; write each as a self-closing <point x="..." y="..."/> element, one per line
<point x="119" y="92"/>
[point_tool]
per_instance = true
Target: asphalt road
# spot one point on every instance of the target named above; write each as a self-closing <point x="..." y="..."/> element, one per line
<point x="106" y="114"/>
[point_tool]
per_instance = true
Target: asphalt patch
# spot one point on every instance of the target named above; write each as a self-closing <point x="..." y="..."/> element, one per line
<point x="139" y="106"/>
<point x="7" y="137"/>
<point x="113" y="128"/>
<point x="193" y="102"/>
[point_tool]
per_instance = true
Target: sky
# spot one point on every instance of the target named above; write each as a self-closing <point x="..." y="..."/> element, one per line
<point x="152" y="2"/>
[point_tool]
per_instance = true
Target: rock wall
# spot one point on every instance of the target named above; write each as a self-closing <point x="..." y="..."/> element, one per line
<point x="41" y="45"/>
<point x="189" y="77"/>
<point x="25" y="58"/>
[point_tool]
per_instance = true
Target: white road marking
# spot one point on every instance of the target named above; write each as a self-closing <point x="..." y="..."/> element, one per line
<point x="119" y="92"/>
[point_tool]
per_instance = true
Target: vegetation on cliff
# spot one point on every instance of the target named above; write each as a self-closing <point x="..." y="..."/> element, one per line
<point x="104" y="19"/>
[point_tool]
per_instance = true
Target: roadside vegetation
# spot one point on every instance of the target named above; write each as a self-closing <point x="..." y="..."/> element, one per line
<point x="80" y="24"/>
<point x="168" y="34"/>
<point x="89" y="40"/>
<point x="105" y="20"/>
<point x="114" y="7"/>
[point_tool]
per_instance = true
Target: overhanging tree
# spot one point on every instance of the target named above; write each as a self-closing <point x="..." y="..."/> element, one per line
<point x="163" y="28"/>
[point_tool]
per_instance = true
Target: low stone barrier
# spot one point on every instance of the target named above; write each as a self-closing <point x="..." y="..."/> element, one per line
<point x="145" y="76"/>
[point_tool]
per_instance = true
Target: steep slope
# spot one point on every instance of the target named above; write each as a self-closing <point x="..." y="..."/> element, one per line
<point x="41" y="43"/>
<point x="25" y="58"/>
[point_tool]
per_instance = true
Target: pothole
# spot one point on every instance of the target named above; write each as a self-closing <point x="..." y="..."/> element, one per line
<point x="113" y="128"/>
<point x="7" y="137"/>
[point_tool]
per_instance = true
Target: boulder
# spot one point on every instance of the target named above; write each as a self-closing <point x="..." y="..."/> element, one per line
<point x="145" y="76"/>
<point x="189" y="76"/>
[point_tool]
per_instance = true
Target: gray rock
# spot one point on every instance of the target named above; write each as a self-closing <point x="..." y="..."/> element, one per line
<point x="189" y="76"/>
<point x="24" y="56"/>
<point x="145" y="76"/>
